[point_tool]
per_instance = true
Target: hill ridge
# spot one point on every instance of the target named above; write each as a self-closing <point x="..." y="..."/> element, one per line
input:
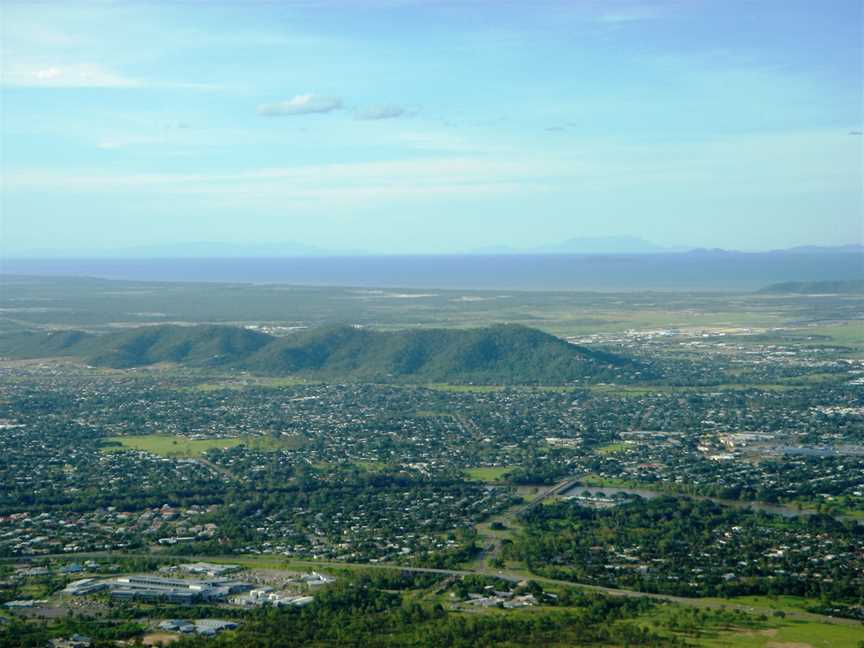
<point x="500" y="353"/>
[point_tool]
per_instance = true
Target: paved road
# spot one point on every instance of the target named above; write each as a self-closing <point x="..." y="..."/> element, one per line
<point x="513" y="577"/>
<point x="503" y="574"/>
<point x="494" y="548"/>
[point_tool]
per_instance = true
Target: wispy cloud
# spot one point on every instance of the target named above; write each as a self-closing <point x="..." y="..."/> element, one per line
<point x="374" y="113"/>
<point x="609" y="166"/>
<point x="71" y="75"/>
<point x="85" y="75"/>
<point x="304" y="104"/>
<point x="370" y="182"/>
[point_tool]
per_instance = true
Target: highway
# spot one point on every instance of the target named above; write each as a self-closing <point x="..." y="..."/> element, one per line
<point x="503" y="574"/>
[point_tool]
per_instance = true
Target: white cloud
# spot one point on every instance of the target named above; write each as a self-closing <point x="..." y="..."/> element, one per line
<point x="374" y="113"/>
<point x="305" y="104"/>
<point x="49" y="73"/>
<point x="72" y="75"/>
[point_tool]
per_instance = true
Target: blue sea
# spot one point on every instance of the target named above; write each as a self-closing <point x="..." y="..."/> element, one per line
<point x="662" y="272"/>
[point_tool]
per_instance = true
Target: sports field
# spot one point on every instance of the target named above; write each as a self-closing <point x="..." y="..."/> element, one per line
<point x="179" y="446"/>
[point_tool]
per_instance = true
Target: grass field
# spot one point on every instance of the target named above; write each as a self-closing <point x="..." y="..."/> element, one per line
<point x="479" y="389"/>
<point x="762" y="626"/>
<point x="773" y="632"/>
<point x="848" y="333"/>
<point x="610" y="448"/>
<point x="493" y="474"/>
<point x="611" y="482"/>
<point x="784" y="603"/>
<point x="642" y="390"/>
<point x="178" y="446"/>
<point x="579" y="320"/>
<point x="487" y="389"/>
<point x="371" y="466"/>
<point x="793" y="633"/>
<point x="250" y="381"/>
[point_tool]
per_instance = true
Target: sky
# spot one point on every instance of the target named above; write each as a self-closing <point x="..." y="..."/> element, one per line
<point x="430" y="126"/>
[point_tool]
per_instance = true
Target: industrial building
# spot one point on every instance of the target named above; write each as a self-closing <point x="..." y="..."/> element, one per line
<point x="174" y="590"/>
<point x="211" y="569"/>
<point x="206" y="627"/>
<point x="266" y="596"/>
<point x="85" y="586"/>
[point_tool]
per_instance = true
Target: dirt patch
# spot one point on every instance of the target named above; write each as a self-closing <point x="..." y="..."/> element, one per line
<point x="159" y="639"/>
<point x="47" y="612"/>
<point x="787" y="644"/>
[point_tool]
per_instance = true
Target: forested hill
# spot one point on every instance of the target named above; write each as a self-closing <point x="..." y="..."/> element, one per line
<point x="816" y="287"/>
<point x="502" y="354"/>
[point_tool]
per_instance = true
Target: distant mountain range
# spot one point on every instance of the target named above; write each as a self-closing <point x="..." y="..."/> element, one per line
<point x="608" y="245"/>
<point x="825" y="249"/>
<point x="502" y="354"/>
<point x="590" y="245"/>
<point x="625" y="245"/>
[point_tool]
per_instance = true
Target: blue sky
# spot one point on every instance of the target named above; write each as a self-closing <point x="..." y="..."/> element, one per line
<point x="431" y="126"/>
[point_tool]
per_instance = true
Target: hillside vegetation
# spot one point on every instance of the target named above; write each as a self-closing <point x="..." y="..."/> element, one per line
<point x="503" y="354"/>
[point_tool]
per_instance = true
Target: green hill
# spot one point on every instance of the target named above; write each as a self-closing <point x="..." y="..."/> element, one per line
<point x="195" y="345"/>
<point x="503" y="354"/>
<point x="32" y="344"/>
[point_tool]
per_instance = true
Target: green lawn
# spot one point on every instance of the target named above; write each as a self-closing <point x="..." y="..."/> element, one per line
<point x="642" y="390"/>
<point x="610" y="448"/>
<point x="371" y="466"/>
<point x="177" y="446"/>
<point x="771" y="633"/>
<point x="281" y="381"/>
<point x="847" y="333"/>
<point x="792" y="633"/>
<point x="761" y="628"/>
<point x="488" y="474"/>
<point x="784" y="603"/>
<point x="486" y="389"/>
<point x="481" y="389"/>
<point x="250" y="381"/>
<point x="613" y="482"/>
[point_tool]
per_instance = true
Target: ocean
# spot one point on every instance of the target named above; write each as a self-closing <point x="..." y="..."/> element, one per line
<point x="686" y="272"/>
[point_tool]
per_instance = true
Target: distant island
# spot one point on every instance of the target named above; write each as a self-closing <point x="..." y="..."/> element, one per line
<point x="590" y="245"/>
<point x="577" y="246"/>
<point x="501" y="354"/>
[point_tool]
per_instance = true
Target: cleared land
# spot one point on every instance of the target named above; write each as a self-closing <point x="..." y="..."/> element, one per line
<point x="794" y="633"/>
<point x="179" y="446"/>
<point x="487" y="474"/>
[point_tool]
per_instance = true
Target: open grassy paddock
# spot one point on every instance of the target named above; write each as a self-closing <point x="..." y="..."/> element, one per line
<point x="179" y="446"/>
<point x="846" y="333"/>
<point x="488" y="474"/>
<point x="791" y="633"/>
<point x="610" y="448"/>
